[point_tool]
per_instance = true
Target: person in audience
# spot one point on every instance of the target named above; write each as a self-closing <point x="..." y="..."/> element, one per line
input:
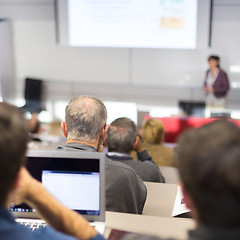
<point x="153" y="141"/>
<point x="216" y="84"/>
<point x="121" y="139"/>
<point x="17" y="186"/>
<point x="208" y="159"/>
<point x="85" y="129"/>
<point x="34" y="125"/>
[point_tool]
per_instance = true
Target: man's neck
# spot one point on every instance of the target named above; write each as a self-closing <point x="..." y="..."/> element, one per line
<point x="93" y="144"/>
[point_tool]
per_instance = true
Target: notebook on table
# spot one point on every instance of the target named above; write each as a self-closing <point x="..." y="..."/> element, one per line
<point x="76" y="179"/>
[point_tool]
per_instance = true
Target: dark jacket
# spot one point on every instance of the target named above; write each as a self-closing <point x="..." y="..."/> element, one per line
<point x="146" y="169"/>
<point x="221" y="85"/>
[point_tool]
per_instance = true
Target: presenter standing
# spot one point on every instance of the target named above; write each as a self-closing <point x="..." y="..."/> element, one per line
<point x="216" y="84"/>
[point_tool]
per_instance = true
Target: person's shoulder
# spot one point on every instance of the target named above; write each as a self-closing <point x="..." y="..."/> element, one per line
<point x="126" y="172"/>
<point x="221" y="71"/>
<point x="160" y="150"/>
<point x="50" y="233"/>
<point x="17" y="231"/>
<point x="21" y="232"/>
<point x="208" y="71"/>
<point x="147" y="164"/>
<point x="168" y="150"/>
<point x="76" y="147"/>
<point x="118" y="165"/>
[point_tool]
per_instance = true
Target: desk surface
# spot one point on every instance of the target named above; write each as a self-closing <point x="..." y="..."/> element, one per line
<point x="159" y="226"/>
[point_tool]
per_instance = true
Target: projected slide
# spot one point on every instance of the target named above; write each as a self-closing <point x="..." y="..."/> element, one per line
<point x="133" y="23"/>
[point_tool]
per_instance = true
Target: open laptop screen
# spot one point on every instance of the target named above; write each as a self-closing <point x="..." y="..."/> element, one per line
<point x="74" y="179"/>
<point x="76" y="190"/>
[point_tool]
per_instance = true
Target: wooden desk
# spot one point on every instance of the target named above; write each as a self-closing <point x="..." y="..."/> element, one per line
<point x="159" y="226"/>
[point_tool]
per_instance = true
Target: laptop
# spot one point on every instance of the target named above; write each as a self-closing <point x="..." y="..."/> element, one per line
<point x="76" y="179"/>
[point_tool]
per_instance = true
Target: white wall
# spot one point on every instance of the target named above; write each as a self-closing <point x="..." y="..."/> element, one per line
<point x="157" y="77"/>
<point x="6" y="62"/>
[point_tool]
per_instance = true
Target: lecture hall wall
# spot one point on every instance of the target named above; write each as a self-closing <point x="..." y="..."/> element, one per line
<point x="145" y="76"/>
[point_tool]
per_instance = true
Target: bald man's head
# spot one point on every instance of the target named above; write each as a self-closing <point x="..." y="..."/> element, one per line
<point x="85" y="118"/>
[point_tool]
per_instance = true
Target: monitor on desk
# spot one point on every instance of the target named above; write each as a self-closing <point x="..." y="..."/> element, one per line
<point x="192" y="108"/>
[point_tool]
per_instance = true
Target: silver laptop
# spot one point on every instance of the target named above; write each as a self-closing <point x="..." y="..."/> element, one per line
<point x="76" y="179"/>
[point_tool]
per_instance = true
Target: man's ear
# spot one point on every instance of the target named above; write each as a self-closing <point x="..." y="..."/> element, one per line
<point x="64" y="128"/>
<point x="135" y="144"/>
<point x="104" y="132"/>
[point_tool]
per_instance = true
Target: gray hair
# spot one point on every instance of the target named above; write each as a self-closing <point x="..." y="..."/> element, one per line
<point x="121" y="135"/>
<point x="85" y="118"/>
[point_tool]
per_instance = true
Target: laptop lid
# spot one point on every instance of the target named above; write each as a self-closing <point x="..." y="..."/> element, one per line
<point x="77" y="179"/>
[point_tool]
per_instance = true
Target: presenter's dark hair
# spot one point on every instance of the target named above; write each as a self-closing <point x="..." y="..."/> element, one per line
<point x="216" y="58"/>
<point x="13" y="145"/>
<point x="209" y="165"/>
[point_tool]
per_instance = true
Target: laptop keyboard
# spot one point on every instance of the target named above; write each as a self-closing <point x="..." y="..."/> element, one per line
<point x="35" y="224"/>
<point x="32" y="224"/>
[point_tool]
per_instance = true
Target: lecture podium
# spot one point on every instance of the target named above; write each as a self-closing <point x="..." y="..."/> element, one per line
<point x="176" y="228"/>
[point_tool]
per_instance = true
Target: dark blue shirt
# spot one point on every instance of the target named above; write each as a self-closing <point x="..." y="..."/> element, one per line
<point x="11" y="230"/>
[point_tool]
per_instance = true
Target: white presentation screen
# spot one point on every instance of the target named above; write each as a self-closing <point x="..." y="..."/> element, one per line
<point x="131" y="23"/>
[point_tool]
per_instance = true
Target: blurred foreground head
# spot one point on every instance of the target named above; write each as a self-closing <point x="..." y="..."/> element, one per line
<point x="13" y="145"/>
<point x="209" y="164"/>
